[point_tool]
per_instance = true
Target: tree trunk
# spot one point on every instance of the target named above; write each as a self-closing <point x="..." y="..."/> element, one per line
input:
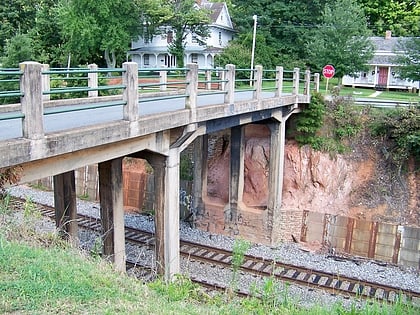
<point x="110" y="60"/>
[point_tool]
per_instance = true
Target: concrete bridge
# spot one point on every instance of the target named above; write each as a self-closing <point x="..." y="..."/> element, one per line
<point x="33" y="145"/>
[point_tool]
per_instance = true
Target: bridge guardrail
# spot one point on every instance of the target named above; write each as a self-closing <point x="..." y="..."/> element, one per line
<point x="41" y="90"/>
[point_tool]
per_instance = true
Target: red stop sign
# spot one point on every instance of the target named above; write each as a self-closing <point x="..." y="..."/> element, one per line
<point x="328" y="71"/>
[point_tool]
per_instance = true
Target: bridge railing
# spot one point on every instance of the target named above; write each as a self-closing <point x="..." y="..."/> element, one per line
<point x="39" y="91"/>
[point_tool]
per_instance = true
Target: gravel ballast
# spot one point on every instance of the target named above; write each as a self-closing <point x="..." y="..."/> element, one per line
<point x="292" y="253"/>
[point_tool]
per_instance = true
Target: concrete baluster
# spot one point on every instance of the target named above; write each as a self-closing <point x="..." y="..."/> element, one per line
<point x="307" y="89"/>
<point x="192" y="86"/>
<point x="316" y="82"/>
<point x="93" y="80"/>
<point x="279" y="81"/>
<point x="131" y="93"/>
<point x="32" y="105"/>
<point x="230" y="84"/>
<point x="208" y="79"/>
<point x="46" y="85"/>
<point x="258" y="82"/>
<point x="163" y="80"/>
<point x="295" y="90"/>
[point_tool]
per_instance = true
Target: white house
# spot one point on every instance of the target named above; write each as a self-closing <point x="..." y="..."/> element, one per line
<point x="382" y="73"/>
<point x="154" y="54"/>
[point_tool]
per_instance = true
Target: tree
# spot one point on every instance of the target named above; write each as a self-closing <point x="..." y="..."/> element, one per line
<point x="409" y="59"/>
<point x="18" y="49"/>
<point x="341" y="39"/>
<point x="187" y="19"/>
<point x="17" y="17"/>
<point x="399" y="16"/>
<point x="286" y="25"/>
<point x="238" y="52"/>
<point x="93" y="26"/>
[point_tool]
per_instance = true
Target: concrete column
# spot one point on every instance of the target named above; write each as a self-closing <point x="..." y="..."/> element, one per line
<point x="208" y="78"/>
<point x="31" y="101"/>
<point x="275" y="178"/>
<point x="65" y="205"/>
<point x="316" y="82"/>
<point x="112" y="211"/>
<point x="93" y="80"/>
<point x="307" y="89"/>
<point x="159" y="171"/>
<point x="200" y="172"/>
<point x="279" y="81"/>
<point x="163" y="80"/>
<point x="192" y="87"/>
<point x="236" y="171"/>
<point x="295" y="90"/>
<point x="171" y="246"/>
<point x="46" y="85"/>
<point x="131" y="93"/>
<point x="230" y="84"/>
<point x="258" y="82"/>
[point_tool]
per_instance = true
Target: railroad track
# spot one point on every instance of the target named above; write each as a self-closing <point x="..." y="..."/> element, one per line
<point x="305" y="277"/>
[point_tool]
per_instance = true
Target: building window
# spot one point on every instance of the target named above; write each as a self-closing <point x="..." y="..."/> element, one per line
<point x="194" y="39"/>
<point x="146" y="60"/>
<point x="170" y="37"/>
<point x="194" y="58"/>
<point x="220" y="38"/>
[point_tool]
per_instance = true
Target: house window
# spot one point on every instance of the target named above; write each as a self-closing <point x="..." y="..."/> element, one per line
<point x="194" y="58"/>
<point x="170" y="37"/>
<point x="220" y="38"/>
<point x="194" y="39"/>
<point x="146" y="60"/>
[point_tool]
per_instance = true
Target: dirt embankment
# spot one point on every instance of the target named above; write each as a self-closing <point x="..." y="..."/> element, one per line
<point x="360" y="184"/>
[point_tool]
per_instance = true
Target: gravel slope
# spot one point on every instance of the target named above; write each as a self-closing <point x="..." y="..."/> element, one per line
<point x="406" y="278"/>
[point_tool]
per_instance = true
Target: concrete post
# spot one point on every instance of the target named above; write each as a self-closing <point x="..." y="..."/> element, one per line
<point x="236" y="172"/>
<point x="159" y="170"/>
<point x="112" y="211"/>
<point x="279" y="81"/>
<point x="258" y="82"/>
<point x="192" y="87"/>
<point x="275" y="178"/>
<point x="131" y="93"/>
<point x="172" y="258"/>
<point x="230" y="84"/>
<point x="307" y="88"/>
<point x="93" y="80"/>
<point x="46" y="85"/>
<point x="163" y="80"/>
<point x="200" y="172"/>
<point x="295" y="90"/>
<point x="316" y="82"/>
<point x="65" y="205"/>
<point x="31" y="101"/>
<point x="208" y="79"/>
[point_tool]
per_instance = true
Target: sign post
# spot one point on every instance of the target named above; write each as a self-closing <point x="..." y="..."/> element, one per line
<point x="328" y="72"/>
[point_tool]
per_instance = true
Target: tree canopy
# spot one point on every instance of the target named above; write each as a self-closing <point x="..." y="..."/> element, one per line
<point x="341" y="39"/>
<point x="410" y="59"/>
<point x="90" y="27"/>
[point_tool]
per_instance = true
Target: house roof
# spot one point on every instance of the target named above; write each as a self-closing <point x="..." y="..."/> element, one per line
<point x="387" y="44"/>
<point x="386" y="48"/>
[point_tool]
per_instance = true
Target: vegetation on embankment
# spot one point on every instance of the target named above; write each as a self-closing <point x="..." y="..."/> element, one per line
<point x="336" y="124"/>
<point x="40" y="274"/>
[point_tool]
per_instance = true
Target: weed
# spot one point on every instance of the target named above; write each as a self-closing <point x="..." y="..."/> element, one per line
<point x="238" y="255"/>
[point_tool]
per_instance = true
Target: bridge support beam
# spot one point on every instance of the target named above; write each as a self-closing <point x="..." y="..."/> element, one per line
<point x="65" y="205"/>
<point x="275" y="178"/>
<point x="236" y="186"/>
<point x="171" y="246"/>
<point x="112" y="211"/>
<point x="166" y="206"/>
<point x="159" y="170"/>
<point x="200" y="172"/>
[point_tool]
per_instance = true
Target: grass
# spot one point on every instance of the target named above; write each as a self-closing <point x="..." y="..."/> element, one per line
<point x="40" y="274"/>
